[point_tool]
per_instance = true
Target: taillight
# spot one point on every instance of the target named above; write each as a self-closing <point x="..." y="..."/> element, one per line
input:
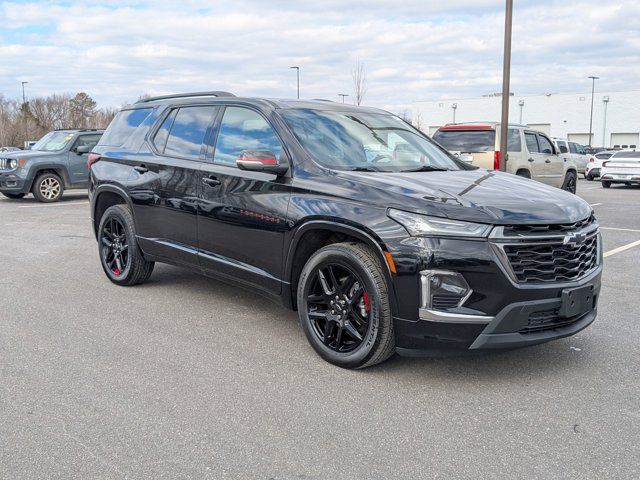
<point x="496" y="160"/>
<point x="592" y="160"/>
<point x="604" y="164"/>
<point x="91" y="159"/>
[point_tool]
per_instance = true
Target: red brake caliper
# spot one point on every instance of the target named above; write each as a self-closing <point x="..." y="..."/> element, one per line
<point x="116" y="271"/>
<point x="365" y="299"/>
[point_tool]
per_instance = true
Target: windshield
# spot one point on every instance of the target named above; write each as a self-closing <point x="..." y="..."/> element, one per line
<point x="466" y="140"/>
<point x="366" y="142"/>
<point x="53" y="141"/>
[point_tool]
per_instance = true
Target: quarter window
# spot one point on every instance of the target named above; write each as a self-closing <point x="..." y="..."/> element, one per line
<point x="532" y="143"/>
<point x="243" y="129"/>
<point x="514" y="144"/>
<point x="188" y="131"/>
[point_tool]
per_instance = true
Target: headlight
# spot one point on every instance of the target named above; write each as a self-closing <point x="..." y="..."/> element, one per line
<point x="12" y="163"/>
<point x="419" y="225"/>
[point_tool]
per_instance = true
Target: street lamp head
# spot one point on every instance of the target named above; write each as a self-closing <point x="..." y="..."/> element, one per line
<point x="593" y="77"/>
<point x="521" y="103"/>
<point x="454" y="105"/>
<point x="297" y="68"/>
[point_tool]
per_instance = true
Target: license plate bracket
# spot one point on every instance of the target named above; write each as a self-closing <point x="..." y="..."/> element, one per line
<point x="577" y="301"/>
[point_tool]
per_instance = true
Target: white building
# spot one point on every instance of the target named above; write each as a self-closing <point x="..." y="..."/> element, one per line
<point x="616" y="115"/>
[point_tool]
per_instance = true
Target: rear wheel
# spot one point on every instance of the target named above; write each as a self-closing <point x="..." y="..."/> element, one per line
<point x="14" y="196"/>
<point x="570" y="181"/>
<point x="589" y="177"/>
<point x="48" y="188"/>
<point x="606" y="184"/>
<point x="343" y="306"/>
<point x="523" y="173"/>
<point x="121" y="258"/>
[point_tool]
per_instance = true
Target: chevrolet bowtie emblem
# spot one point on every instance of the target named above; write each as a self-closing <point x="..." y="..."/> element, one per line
<point x="574" y="240"/>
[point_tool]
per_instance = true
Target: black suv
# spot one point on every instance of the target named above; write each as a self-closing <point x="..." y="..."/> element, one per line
<point x="380" y="238"/>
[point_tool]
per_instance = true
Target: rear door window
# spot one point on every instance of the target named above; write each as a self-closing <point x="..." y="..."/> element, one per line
<point x="123" y="125"/>
<point x="243" y="129"/>
<point x="466" y="140"/>
<point x="562" y="146"/>
<point x="573" y="147"/>
<point x="532" y="142"/>
<point x="188" y="131"/>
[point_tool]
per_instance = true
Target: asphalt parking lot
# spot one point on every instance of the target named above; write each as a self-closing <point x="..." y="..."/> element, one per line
<point x="186" y="377"/>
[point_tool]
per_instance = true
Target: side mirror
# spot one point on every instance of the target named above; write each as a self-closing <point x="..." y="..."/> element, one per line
<point x="82" y="149"/>
<point x="261" y="161"/>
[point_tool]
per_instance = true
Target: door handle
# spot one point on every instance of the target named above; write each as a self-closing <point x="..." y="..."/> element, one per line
<point x="211" y="181"/>
<point x="531" y="160"/>
<point x="547" y="161"/>
<point x="141" y="169"/>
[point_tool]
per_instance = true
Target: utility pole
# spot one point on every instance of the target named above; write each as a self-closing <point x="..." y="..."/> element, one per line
<point x="593" y="89"/>
<point x="605" y="100"/>
<point x="454" y="106"/>
<point x="343" y="95"/>
<point x="298" y="79"/>
<point x="506" y="76"/>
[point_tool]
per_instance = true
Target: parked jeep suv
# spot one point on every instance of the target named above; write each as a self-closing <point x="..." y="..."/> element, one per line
<point x="380" y="238"/>
<point x="58" y="161"/>
<point x="531" y="154"/>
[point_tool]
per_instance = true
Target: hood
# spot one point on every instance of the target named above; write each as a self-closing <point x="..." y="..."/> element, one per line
<point x="27" y="154"/>
<point x="474" y="195"/>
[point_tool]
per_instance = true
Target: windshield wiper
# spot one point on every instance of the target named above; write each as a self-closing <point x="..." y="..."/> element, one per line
<point x="363" y="169"/>
<point x="426" y="168"/>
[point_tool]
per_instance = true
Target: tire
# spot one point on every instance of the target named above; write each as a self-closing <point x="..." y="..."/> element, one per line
<point x="363" y="307"/>
<point x="523" y="174"/>
<point x="116" y="233"/>
<point x="14" y="196"/>
<point x="606" y="184"/>
<point x="589" y="177"/>
<point x="48" y="188"/>
<point x="570" y="182"/>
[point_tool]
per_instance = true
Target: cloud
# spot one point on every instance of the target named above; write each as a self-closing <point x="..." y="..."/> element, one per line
<point x="414" y="50"/>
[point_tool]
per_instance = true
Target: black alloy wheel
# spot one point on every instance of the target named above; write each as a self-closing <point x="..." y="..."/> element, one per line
<point x="338" y="307"/>
<point x="570" y="182"/>
<point x="343" y="305"/>
<point x="121" y="258"/>
<point x="115" y="249"/>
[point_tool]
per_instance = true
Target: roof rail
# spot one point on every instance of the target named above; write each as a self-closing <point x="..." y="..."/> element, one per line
<point x="217" y="93"/>
<point x="78" y="129"/>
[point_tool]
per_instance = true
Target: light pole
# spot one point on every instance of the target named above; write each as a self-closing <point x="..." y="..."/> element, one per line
<point x="506" y="76"/>
<point x="605" y="100"/>
<point x="24" y="117"/>
<point x="521" y="104"/>
<point x="454" y="106"/>
<point x="298" y="79"/>
<point x="343" y="95"/>
<point x="593" y="89"/>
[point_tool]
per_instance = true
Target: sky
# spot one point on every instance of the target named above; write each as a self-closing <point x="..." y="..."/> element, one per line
<point x="411" y="49"/>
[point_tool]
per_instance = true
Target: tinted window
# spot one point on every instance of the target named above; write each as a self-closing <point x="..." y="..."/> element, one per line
<point x="514" y="144"/>
<point x="123" y="125"/>
<point x="580" y="149"/>
<point x="87" y="141"/>
<point x="627" y="155"/>
<point x="603" y="156"/>
<point x="532" y="143"/>
<point x="562" y="146"/>
<point x="188" y="131"/>
<point x="545" y="144"/>
<point x="160" y="139"/>
<point x="243" y="129"/>
<point x="572" y="147"/>
<point x="466" y="140"/>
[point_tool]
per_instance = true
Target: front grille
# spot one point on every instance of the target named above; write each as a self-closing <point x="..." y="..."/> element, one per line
<point x="443" y="301"/>
<point x="547" y="320"/>
<point x="552" y="261"/>
<point x="554" y="229"/>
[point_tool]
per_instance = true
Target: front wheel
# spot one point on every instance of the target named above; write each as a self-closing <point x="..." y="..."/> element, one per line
<point x="343" y="306"/>
<point x="14" y="196"/>
<point x="606" y="184"/>
<point x="48" y="188"/>
<point x="121" y="258"/>
<point x="570" y="181"/>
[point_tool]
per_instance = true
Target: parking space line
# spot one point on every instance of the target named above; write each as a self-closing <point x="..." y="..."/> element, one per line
<point x="594" y="204"/>
<point x="622" y="248"/>
<point x="620" y="229"/>
<point x="53" y="205"/>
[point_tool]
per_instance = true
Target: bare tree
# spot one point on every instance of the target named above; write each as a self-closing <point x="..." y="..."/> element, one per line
<point x="359" y="75"/>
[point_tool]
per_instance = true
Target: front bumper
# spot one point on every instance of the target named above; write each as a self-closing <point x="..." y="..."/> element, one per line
<point x="500" y="313"/>
<point x="12" y="183"/>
